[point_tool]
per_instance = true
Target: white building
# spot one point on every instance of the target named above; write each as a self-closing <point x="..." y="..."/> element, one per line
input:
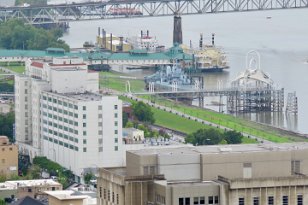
<point x="7" y="3"/>
<point x="60" y="115"/>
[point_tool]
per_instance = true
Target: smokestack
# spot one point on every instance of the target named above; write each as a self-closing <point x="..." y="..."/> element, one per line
<point x="103" y="38"/>
<point x="213" y="39"/>
<point x="99" y="31"/>
<point x="111" y="42"/>
<point x="121" y="43"/>
<point x="201" y="41"/>
<point x="148" y="33"/>
<point x="141" y="33"/>
<point x="190" y="44"/>
<point x="177" y="30"/>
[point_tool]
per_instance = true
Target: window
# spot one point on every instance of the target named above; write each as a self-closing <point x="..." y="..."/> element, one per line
<point x="116" y="115"/>
<point x="216" y="200"/>
<point x="187" y="201"/>
<point x="241" y="201"/>
<point x="84" y="141"/>
<point x="84" y="108"/>
<point x="181" y="201"/>
<point x="100" y="107"/>
<point x="108" y="195"/>
<point x="100" y="116"/>
<point x="270" y="200"/>
<point x="104" y="193"/>
<point x="300" y="200"/>
<point x="285" y="200"/>
<point x="116" y="132"/>
<point x="115" y="107"/>
<point x="117" y="198"/>
<point x="100" y="192"/>
<point x="84" y="124"/>
<point x="202" y="200"/>
<point x="113" y="197"/>
<point x="75" y="107"/>
<point x="116" y="140"/>
<point x="84" y="116"/>
<point x="84" y="133"/>
<point x="211" y="199"/>
<point x="295" y="167"/>
<point x="255" y="200"/>
<point x="115" y="123"/>
<point x="116" y="148"/>
<point x="84" y="149"/>
<point x="100" y="149"/>
<point x="196" y="200"/>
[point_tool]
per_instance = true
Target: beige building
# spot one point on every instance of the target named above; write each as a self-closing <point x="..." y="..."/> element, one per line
<point x="8" y="157"/>
<point x="271" y="174"/>
<point x="132" y="135"/>
<point x="108" y="41"/>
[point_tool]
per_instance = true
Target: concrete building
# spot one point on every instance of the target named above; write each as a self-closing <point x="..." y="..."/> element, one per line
<point x="8" y="157"/>
<point x="60" y="115"/>
<point x="5" y="107"/>
<point x="32" y="188"/>
<point x="68" y="197"/>
<point x="272" y="174"/>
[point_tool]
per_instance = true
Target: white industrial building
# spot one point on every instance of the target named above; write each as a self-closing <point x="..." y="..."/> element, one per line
<point x="61" y="115"/>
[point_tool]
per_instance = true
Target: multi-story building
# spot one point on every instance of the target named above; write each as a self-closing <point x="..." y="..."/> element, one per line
<point x="8" y="157"/>
<point x="271" y="174"/>
<point x="61" y="115"/>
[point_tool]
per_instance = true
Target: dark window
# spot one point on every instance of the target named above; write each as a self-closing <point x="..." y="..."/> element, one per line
<point x="29" y="190"/>
<point x="285" y="200"/>
<point x="216" y="200"/>
<point x="255" y="200"/>
<point x="300" y="200"/>
<point x="270" y="200"/>
<point x="187" y="201"/>
<point x="117" y="198"/>
<point x="53" y="188"/>
<point x="241" y="201"/>
<point x="196" y="200"/>
<point x="108" y="195"/>
<point x="104" y="193"/>
<point x="295" y="167"/>
<point x="112" y="197"/>
<point x="181" y="201"/>
<point x="211" y="200"/>
<point x="202" y="200"/>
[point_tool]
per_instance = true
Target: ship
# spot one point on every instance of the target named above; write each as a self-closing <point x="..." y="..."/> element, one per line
<point x="145" y="42"/>
<point x="169" y="77"/>
<point x="208" y="58"/>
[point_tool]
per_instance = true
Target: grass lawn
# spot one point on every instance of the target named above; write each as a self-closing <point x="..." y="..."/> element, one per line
<point x="16" y="68"/>
<point x="112" y="80"/>
<point x="226" y="120"/>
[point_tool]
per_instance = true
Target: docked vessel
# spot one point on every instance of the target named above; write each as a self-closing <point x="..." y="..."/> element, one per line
<point x="144" y="42"/>
<point x="208" y="58"/>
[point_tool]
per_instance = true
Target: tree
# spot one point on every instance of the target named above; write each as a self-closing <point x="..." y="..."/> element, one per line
<point x="143" y="112"/>
<point x="124" y="119"/>
<point x="6" y="125"/>
<point x="129" y="124"/>
<point x="87" y="177"/>
<point x="205" y="137"/>
<point x="17" y="35"/>
<point x="233" y="137"/>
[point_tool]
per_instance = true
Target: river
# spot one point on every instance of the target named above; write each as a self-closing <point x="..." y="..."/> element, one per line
<point x="282" y="41"/>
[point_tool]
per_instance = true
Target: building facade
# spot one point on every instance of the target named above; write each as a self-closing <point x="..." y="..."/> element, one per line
<point x="8" y="157"/>
<point x="273" y="174"/>
<point x="61" y="115"/>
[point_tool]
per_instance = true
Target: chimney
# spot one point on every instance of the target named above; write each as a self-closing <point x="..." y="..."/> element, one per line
<point x="111" y="42"/>
<point x="141" y="33"/>
<point x="104" y="38"/>
<point x="177" y="30"/>
<point x="148" y="33"/>
<point x="121" y="43"/>
<point x="190" y="44"/>
<point x="99" y="31"/>
<point x="201" y="41"/>
<point x="213" y="39"/>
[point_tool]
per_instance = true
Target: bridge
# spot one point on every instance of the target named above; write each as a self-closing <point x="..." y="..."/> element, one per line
<point x="115" y="9"/>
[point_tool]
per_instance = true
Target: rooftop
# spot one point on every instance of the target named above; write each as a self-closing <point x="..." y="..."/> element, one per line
<point x="31" y="183"/>
<point x="224" y="149"/>
<point x="65" y="195"/>
<point x="87" y="96"/>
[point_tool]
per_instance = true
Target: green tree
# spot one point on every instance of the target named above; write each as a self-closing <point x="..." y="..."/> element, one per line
<point x="6" y="125"/>
<point x="143" y="112"/>
<point x="129" y="124"/>
<point x="87" y="177"/>
<point x="2" y="202"/>
<point x="17" y="35"/>
<point x="124" y="119"/>
<point x="205" y="137"/>
<point x="233" y="137"/>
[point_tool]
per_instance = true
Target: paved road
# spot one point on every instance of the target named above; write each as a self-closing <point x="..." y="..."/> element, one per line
<point x="168" y="109"/>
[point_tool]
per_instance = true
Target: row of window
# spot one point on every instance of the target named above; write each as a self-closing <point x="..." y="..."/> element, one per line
<point x="271" y="200"/>
<point x="59" y="102"/>
<point x="59" y="110"/>
<point x="199" y="200"/>
<point x="64" y="144"/>
<point x="108" y="197"/>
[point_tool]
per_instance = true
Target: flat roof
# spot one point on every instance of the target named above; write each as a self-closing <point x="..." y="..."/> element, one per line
<point x="87" y="96"/>
<point x="31" y="183"/>
<point x="224" y="149"/>
<point x="65" y="195"/>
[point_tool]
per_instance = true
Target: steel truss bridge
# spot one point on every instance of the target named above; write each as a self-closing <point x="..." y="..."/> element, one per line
<point x="144" y="8"/>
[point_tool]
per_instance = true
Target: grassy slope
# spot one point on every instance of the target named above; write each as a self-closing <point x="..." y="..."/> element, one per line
<point x="230" y="121"/>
